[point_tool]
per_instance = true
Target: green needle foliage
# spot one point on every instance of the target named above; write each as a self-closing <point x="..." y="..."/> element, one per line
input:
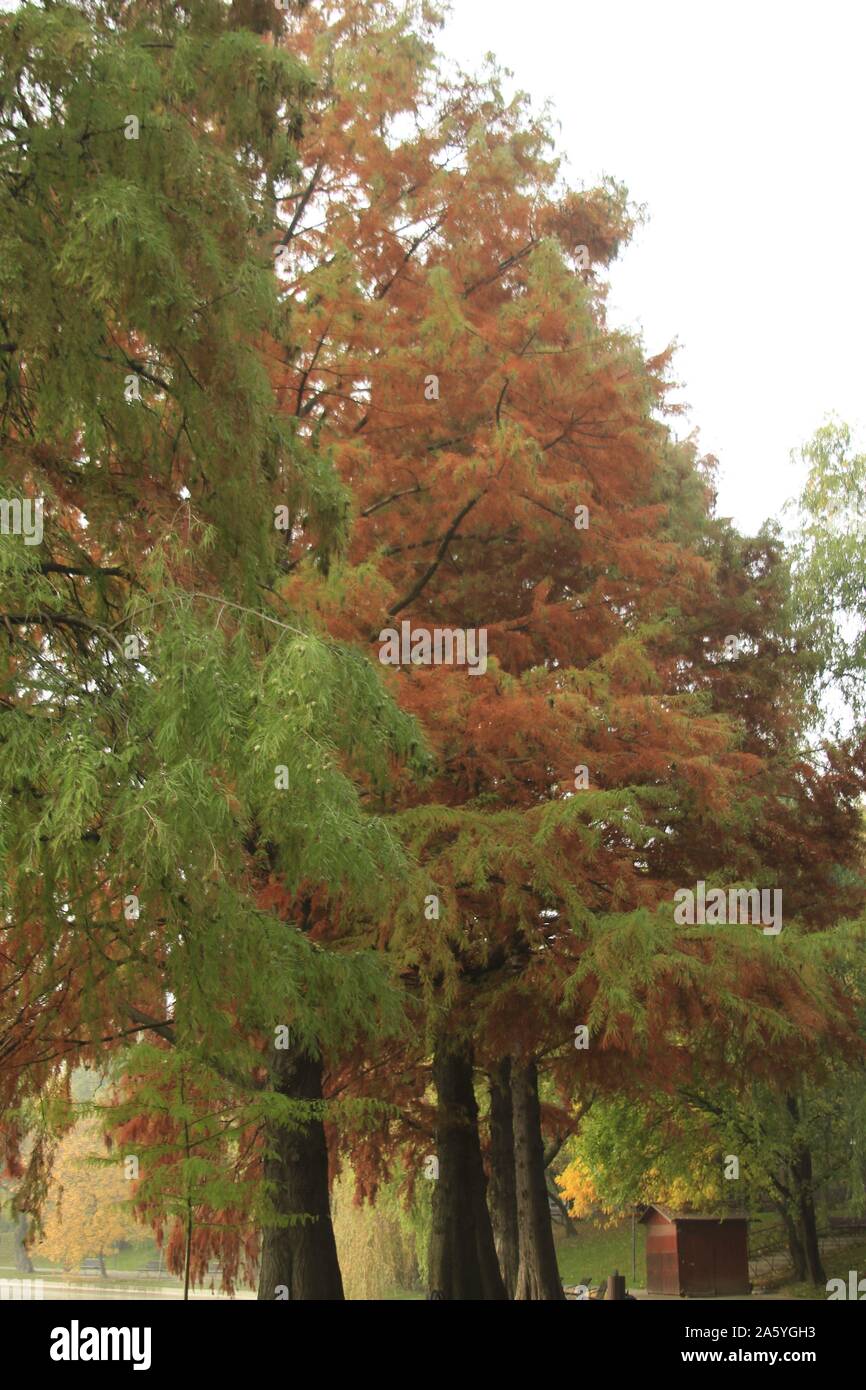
<point x="142" y="149"/>
<point x="183" y="759"/>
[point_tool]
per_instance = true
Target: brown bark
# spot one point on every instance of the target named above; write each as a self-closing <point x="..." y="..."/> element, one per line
<point x="804" y="1190"/>
<point x="795" y="1245"/>
<point x="299" y="1260"/>
<point x="463" y="1263"/>
<point x="809" y="1226"/>
<point x="538" y="1273"/>
<point x="502" y="1188"/>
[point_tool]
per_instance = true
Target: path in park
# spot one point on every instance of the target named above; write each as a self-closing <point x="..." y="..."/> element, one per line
<point x="57" y="1290"/>
<point x="118" y="1287"/>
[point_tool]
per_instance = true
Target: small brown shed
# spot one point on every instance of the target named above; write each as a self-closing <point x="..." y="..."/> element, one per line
<point x="691" y="1253"/>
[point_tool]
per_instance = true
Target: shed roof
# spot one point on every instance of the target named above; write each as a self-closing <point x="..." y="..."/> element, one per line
<point x="686" y="1215"/>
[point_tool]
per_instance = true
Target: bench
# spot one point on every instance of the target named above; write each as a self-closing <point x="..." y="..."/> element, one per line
<point x="846" y="1223"/>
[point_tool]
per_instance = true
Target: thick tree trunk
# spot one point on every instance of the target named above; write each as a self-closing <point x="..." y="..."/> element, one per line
<point x="795" y="1246"/>
<point x="502" y="1189"/>
<point x="538" y="1274"/>
<point x="299" y="1261"/>
<point x="807" y="1222"/>
<point x="804" y="1189"/>
<point x="463" y="1263"/>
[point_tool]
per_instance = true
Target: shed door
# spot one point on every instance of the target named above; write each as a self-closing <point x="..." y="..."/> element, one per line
<point x="697" y="1240"/>
<point x="732" y="1259"/>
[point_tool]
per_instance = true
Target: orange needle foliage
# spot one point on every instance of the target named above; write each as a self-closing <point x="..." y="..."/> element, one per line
<point x="453" y="355"/>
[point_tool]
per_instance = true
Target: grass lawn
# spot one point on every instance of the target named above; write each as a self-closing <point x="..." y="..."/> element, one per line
<point x="135" y="1257"/>
<point x="596" y="1251"/>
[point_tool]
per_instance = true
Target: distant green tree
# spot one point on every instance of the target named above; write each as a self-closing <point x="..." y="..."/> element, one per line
<point x="798" y="1150"/>
<point x="830" y="561"/>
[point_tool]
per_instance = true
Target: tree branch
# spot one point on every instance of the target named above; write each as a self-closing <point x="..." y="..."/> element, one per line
<point x="428" y="574"/>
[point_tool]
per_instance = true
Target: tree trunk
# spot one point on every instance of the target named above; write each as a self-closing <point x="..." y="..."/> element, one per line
<point x="299" y="1259"/>
<point x="463" y="1263"/>
<point x="795" y="1246"/>
<point x="538" y="1274"/>
<point x="502" y="1190"/>
<point x="806" y="1219"/>
<point x="814" y="1264"/>
<point x="804" y="1189"/>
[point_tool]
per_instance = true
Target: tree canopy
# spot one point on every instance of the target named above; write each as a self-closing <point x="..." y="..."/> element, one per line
<point x="376" y="668"/>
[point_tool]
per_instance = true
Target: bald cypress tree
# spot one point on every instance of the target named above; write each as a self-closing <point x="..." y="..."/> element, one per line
<point x="172" y="736"/>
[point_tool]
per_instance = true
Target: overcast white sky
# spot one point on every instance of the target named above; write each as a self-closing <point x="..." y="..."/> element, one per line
<point x="740" y="126"/>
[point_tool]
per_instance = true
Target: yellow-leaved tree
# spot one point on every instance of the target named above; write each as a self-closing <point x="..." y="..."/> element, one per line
<point x="87" y="1210"/>
<point x="687" y="1191"/>
<point x="629" y="1153"/>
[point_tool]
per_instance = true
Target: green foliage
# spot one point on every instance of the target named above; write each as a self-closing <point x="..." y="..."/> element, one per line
<point x="159" y="781"/>
<point x="145" y="264"/>
<point x="673" y="1146"/>
<point x="830" y="560"/>
<point x="381" y="1245"/>
<point x="184" y="761"/>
